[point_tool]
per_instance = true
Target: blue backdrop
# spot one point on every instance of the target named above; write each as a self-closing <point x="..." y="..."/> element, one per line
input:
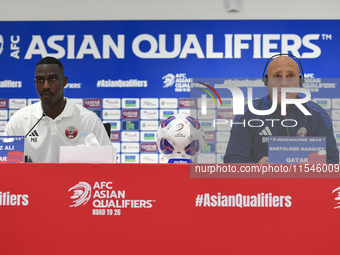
<point x="154" y="60"/>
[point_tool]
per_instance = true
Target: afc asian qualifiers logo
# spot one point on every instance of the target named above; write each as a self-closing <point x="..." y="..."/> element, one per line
<point x="168" y="80"/>
<point x="82" y="194"/>
<point x="106" y="199"/>
<point x="180" y="80"/>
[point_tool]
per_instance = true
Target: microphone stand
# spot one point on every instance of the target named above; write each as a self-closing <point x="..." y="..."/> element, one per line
<point x="43" y="115"/>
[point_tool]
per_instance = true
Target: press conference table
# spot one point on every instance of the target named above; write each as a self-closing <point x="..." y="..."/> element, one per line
<point x="159" y="209"/>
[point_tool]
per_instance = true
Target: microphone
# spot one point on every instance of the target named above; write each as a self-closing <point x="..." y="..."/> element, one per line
<point x="43" y="115"/>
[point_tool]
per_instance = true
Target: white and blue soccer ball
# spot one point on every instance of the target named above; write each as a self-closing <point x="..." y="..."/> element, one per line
<point x="180" y="136"/>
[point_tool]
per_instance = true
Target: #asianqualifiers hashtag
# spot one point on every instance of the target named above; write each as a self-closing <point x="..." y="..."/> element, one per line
<point x="239" y="200"/>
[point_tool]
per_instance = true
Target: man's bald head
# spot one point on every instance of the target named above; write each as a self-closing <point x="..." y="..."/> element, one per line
<point x="283" y="71"/>
<point x="278" y="64"/>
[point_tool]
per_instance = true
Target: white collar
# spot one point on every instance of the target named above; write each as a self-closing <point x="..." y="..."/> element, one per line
<point x="67" y="112"/>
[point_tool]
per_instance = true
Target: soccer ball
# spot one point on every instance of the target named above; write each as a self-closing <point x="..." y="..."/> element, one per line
<point x="180" y="136"/>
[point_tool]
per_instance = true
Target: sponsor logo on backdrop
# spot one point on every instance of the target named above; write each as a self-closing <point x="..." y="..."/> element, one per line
<point x="148" y="147"/>
<point x="1" y="44"/>
<point x="130" y="147"/>
<point x="206" y="158"/>
<point x="132" y="83"/>
<point x="149" y="114"/>
<point x="17" y="103"/>
<point x="130" y="158"/>
<point x="209" y="147"/>
<point x="73" y="86"/>
<point x="337" y="136"/>
<point x="111" y="102"/>
<point x="11" y="113"/>
<point x="93" y="103"/>
<point x="115" y="136"/>
<point x="168" y="102"/>
<point x="9" y="199"/>
<point x="167" y="113"/>
<point x="111" y="114"/>
<point x="149" y="102"/>
<point x="3" y="125"/>
<point x="323" y="102"/>
<point x="3" y="103"/>
<point x="224" y="127"/>
<point x="336" y="103"/>
<point x="222" y="136"/>
<point x="226" y="103"/>
<point x="209" y="102"/>
<point x="187" y="103"/>
<point x="163" y="159"/>
<point x="130" y="136"/>
<point x="337" y="199"/>
<point x="130" y="114"/>
<point x="336" y="114"/>
<point x="103" y="199"/>
<point x="9" y="84"/>
<point x="149" y="125"/>
<point x="115" y="125"/>
<point x="221" y="147"/>
<point x="207" y="125"/>
<point x="130" y="103"/>
<point x="210" y="136"/>
<point x="336" y="125"/>
<point x="180" y="80"/>
<point x="189" y="112"/>
<point x="131" y="125"/>
<point x="148" y="136"/>
<point x="149" y="158"/>
<point x="225" y="114"/>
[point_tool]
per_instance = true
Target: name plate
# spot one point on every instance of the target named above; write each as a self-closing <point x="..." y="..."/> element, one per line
<point x="12" y="149"/>
<point x="286" y="150"/>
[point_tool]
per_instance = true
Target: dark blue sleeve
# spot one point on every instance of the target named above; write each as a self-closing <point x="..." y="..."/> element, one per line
<point x="332" y="150"/>
<point x="325" y="128"/>
<point x="239" y="145"/>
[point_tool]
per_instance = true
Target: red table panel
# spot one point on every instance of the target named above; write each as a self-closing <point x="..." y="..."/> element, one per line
<point x="157" y="209"/>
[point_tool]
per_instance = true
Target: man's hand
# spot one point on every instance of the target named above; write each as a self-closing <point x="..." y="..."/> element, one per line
<point x="263" y="160"/>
